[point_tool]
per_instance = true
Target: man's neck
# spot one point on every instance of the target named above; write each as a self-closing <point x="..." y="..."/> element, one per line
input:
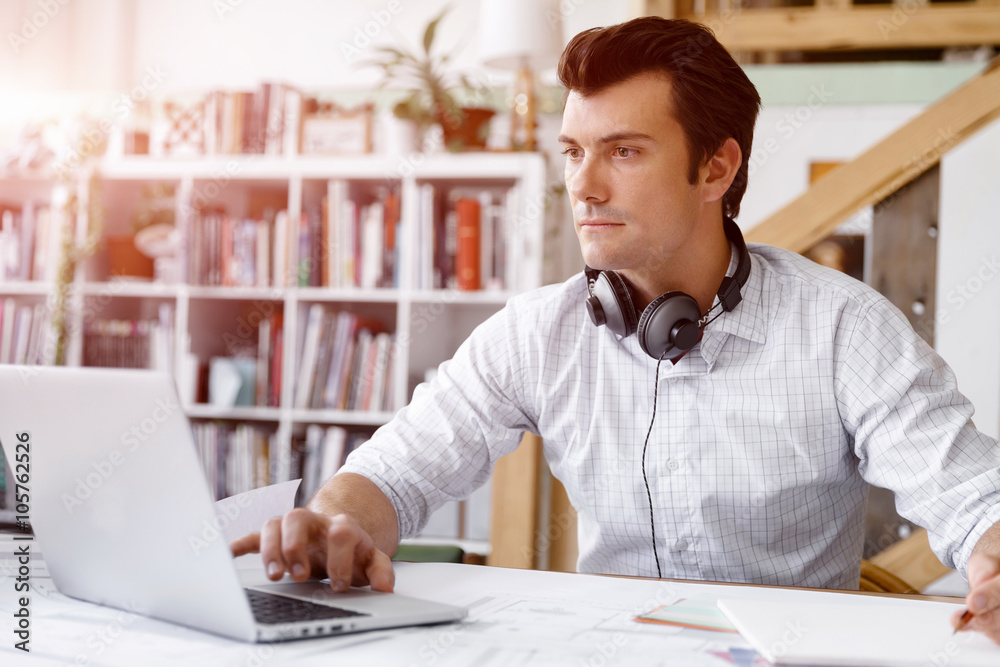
<point x="699" y="273"/>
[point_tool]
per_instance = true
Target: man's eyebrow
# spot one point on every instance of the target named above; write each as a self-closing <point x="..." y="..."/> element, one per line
<point x="611" y="138"/>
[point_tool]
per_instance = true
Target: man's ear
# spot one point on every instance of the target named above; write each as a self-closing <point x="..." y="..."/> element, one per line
<point x="718" y="172"/>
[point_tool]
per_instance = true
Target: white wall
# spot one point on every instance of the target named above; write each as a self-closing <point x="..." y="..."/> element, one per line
<point x="788" y="138"/>
<point x="87" y="44"/>
<point x="968" y="294"/>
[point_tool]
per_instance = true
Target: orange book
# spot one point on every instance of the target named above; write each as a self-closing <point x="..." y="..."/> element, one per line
<point x="390" y="220"/>
<point x="467" y="269"/>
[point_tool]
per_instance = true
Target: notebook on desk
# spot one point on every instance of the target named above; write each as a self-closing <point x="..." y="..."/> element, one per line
<point x="858" y="630"/>
<point x="124" y="517"/>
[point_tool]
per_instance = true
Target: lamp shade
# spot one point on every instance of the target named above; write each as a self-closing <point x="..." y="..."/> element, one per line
<point x="517" y="33"/>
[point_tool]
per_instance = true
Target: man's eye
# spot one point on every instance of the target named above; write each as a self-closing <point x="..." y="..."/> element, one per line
<point x="572" y="152"/>
<point x="623" y="152"/>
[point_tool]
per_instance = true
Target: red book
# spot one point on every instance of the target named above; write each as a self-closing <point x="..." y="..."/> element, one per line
<point x="467" y="269"/>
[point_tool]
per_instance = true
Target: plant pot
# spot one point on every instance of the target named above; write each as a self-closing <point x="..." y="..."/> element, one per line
<point x="468" y="132"/>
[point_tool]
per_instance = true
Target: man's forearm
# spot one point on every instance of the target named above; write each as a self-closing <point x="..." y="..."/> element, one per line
<point x="358" y="497"/>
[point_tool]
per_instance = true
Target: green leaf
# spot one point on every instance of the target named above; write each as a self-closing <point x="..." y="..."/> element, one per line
<point x="432" y="29"/>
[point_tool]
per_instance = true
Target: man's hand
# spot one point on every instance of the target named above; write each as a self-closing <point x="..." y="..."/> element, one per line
<point x="307" y="543"/>
<point x="984" y="596"/>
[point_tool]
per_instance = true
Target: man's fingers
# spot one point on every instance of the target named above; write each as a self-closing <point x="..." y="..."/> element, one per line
<point x="338" y="544"/>
<point x="342" y="541"/>
<point x="298" y="529"/>
<point x="379" y="572"/>
<point x="984" y="584"/>
<point x="270" y="549"/>
<point x="982" y="567"/>
<point x="248" y="544"/>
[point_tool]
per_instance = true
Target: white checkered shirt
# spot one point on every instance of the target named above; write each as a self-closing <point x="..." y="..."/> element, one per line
<point x="765" y="433"/>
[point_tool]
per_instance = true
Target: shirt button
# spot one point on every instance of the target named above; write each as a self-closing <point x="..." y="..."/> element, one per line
<point x="680" y="545"/>
<point x="673" y="464"/>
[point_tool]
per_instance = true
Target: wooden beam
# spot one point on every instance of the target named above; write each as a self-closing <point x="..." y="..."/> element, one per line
<point x="561" y="534"/>
<point x="514" y="498"/>
<point x="885" y="167"/>
<point x="909" y="25"/>
<point x="664" y="8"/>
<point x="912" y="560"/>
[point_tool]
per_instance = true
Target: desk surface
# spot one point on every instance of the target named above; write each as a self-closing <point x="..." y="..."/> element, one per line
<point x="516" y="617"/>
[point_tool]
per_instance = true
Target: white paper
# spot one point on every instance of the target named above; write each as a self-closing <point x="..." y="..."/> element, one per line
<point x="876" y="632"/>
<point x="246" y="512"/>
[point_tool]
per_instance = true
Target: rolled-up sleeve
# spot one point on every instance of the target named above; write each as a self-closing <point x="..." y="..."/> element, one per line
<point x="913" y="432"/>
<point x="444" y="444"/>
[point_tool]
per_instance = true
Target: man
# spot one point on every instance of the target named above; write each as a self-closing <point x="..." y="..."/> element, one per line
<point x="793" y="397"/>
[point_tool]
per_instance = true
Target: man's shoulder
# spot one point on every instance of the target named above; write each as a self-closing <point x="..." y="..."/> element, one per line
<point x="553" y="302"/>
<point x="786" y="270"/>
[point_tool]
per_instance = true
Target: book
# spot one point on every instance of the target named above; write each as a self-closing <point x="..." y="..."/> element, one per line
<point x="280" y="249"/>
<point x="311" y="471"/>
<point x="307" y="365"/>
<point x="263" y="362"/>
<point x="359" y="369"/>
<point x="343" y="332"/>
<point x="372" y="244"/>
<point x="336" y="197"/>
<point x="468" y="254"/>
<point x="332" y="455"/>
<point x="382" y="374"/>
<point x="322" y="363"/>
<point x="424" y="264"/>
<point x="277" y="341"/>
<point x="391" y="218"/>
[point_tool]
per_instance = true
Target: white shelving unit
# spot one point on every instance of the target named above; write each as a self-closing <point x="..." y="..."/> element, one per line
<point x="202" y="314"/>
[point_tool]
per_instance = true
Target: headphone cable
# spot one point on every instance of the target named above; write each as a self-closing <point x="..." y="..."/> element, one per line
<point x="649" y="496"/>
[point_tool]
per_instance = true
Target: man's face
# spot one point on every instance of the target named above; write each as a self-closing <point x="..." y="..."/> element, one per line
<point x="627" y="176"/>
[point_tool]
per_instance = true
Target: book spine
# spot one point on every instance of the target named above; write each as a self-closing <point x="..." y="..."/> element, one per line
<point x="372" y="253"/>
<point x="263" y="268"/>
<point x="307" y="365"/>
<point x="468" y="257"/>
<point x="277" y="353"/>
<point x="263" y="361"/>
<point x="391" y="214"/>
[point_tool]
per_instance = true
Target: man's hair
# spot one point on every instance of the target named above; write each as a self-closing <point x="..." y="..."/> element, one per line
<point x="712" y="97"/>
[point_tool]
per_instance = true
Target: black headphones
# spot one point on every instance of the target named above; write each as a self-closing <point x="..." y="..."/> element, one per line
<point x="673" y="320"/>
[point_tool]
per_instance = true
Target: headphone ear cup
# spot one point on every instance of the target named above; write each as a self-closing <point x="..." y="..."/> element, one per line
<point x="669" y="321"/>
<point x="616" y="303"/>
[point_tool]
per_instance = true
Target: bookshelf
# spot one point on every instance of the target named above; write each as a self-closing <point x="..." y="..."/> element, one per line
<point x="195" y="323"/>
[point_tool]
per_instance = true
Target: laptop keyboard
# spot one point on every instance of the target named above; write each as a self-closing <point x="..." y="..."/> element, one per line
<point x="272" y="609"/>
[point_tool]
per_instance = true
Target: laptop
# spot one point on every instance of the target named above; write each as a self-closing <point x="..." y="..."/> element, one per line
<point x="119" y="504"/>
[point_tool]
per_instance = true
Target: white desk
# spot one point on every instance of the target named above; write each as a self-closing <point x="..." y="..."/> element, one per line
<point x="516" y="618"/>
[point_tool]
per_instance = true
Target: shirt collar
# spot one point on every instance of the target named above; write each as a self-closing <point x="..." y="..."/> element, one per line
<point x="745" y="321"/>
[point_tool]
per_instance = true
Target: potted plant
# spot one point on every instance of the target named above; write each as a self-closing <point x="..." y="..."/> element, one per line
<point x="431" y="93"/>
